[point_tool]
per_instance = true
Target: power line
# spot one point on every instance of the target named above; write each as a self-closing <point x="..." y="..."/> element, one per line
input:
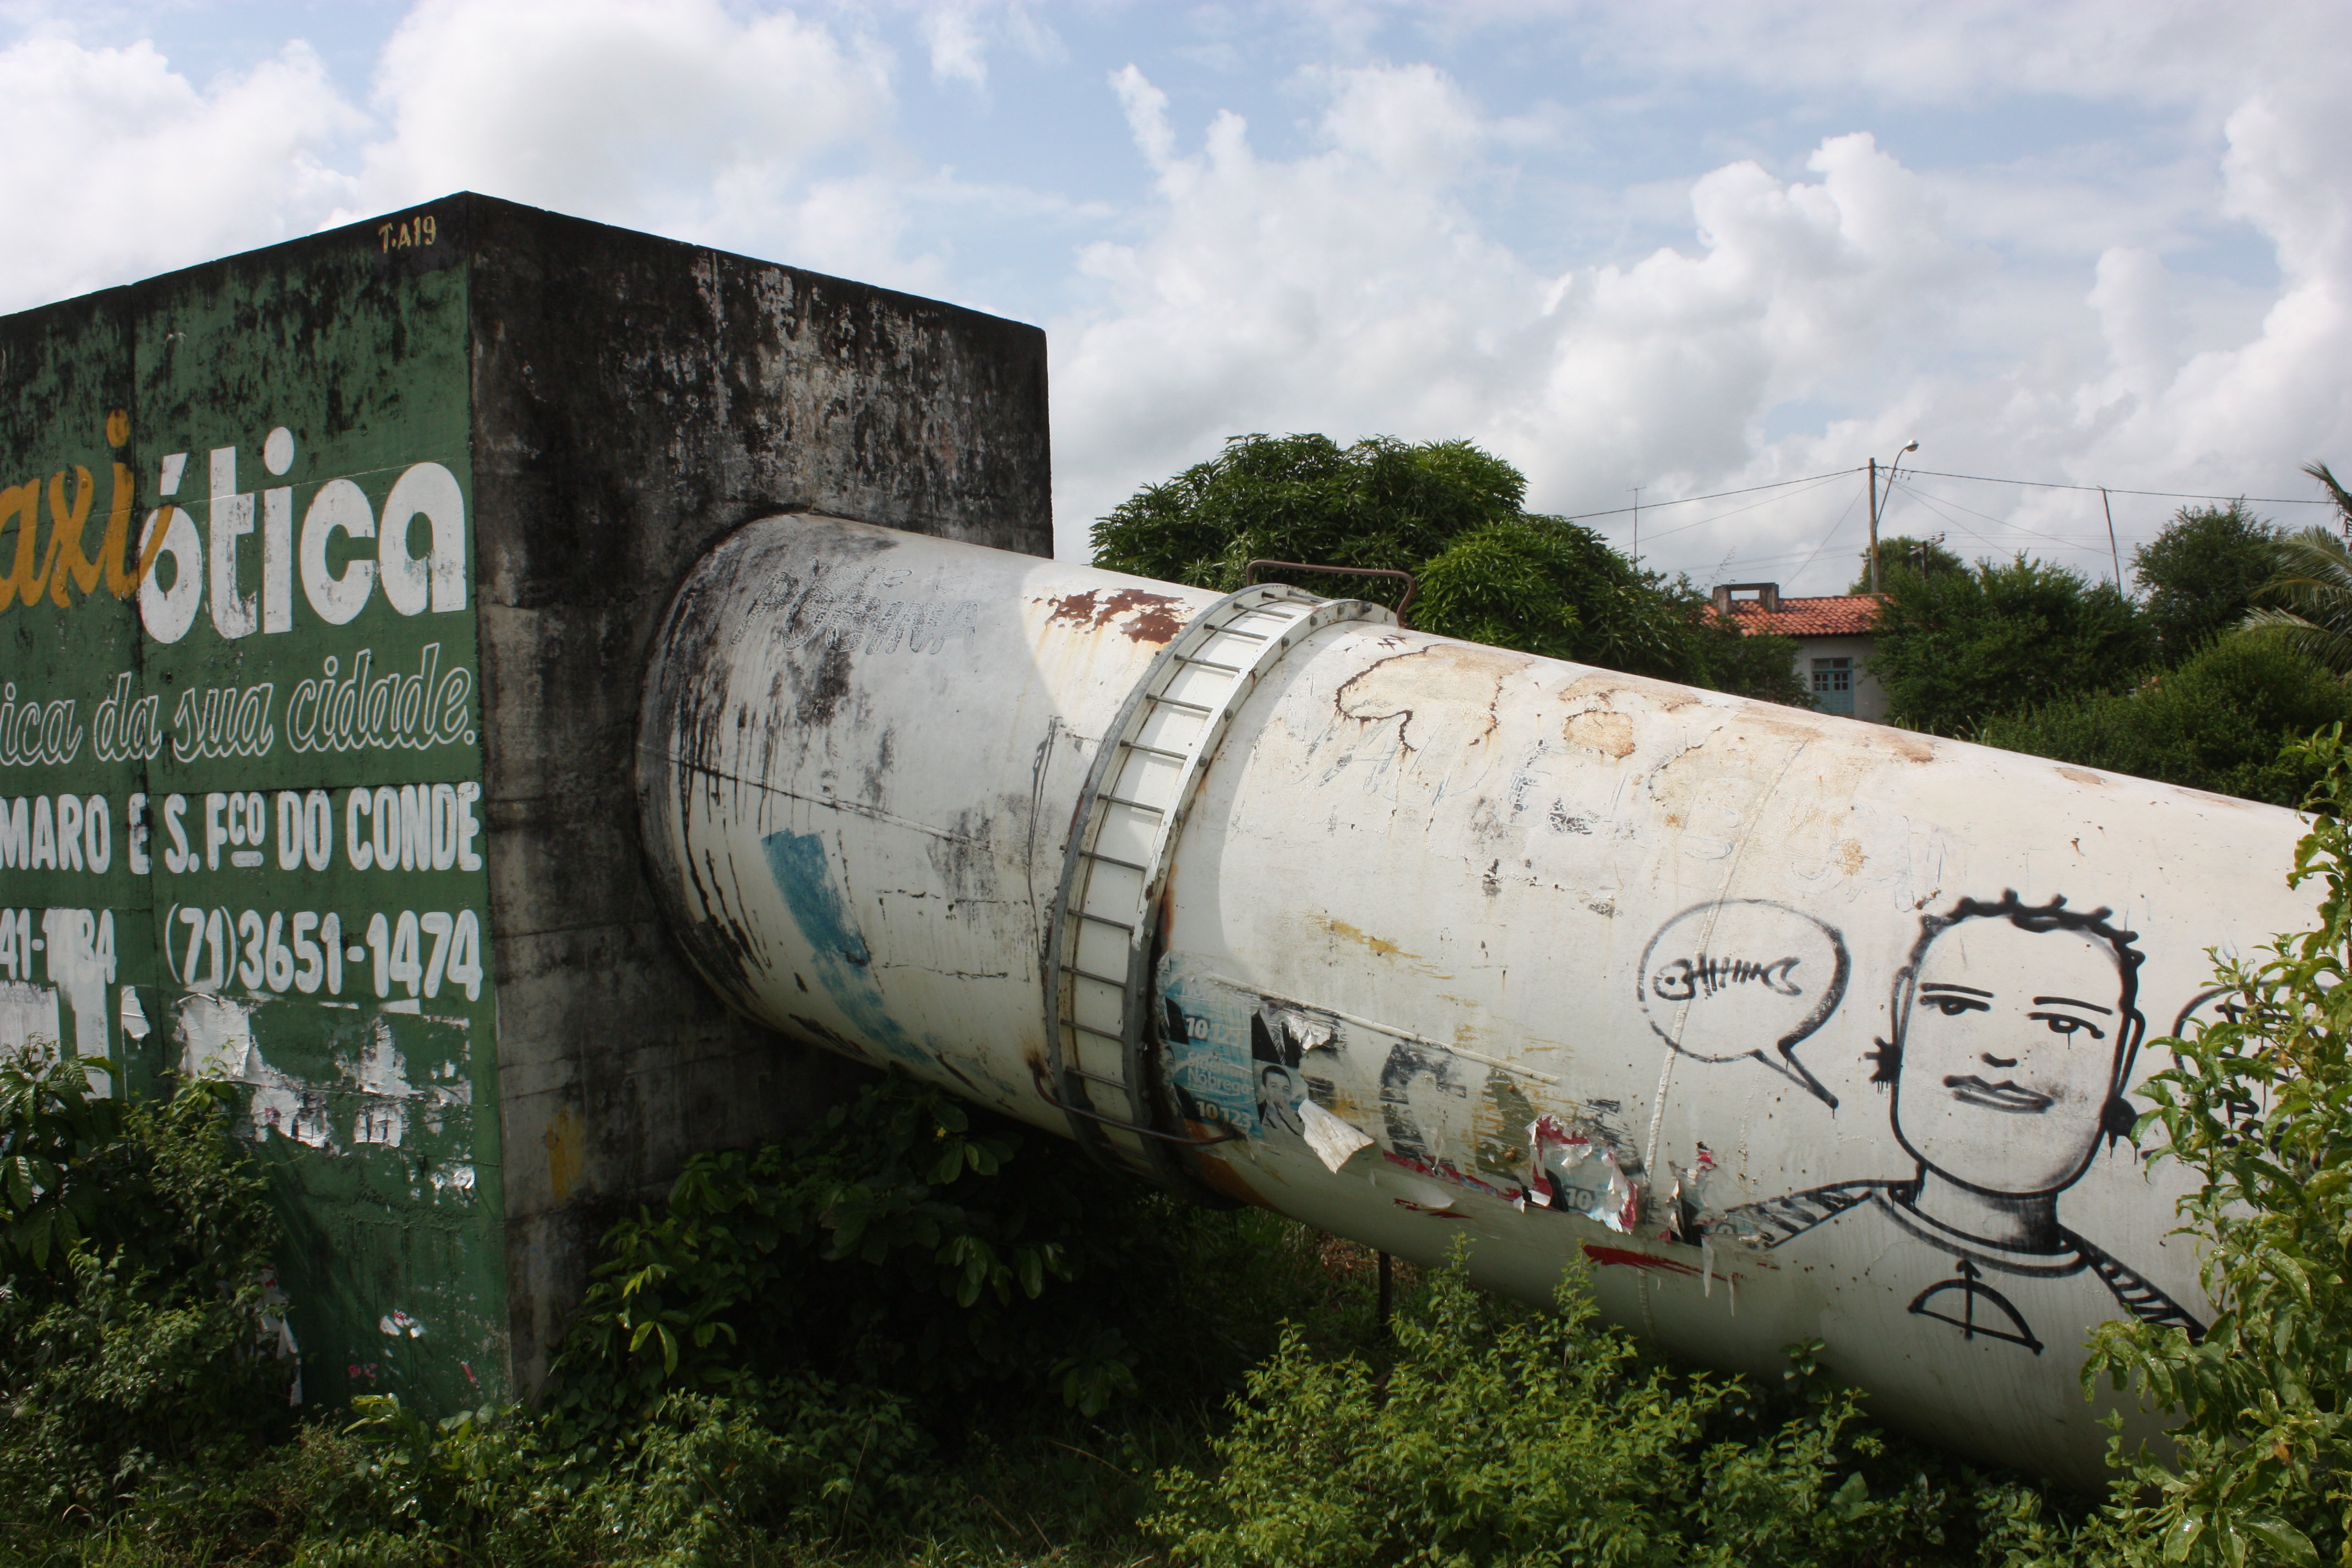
<point x="1976" y="478"/>
<point x="1718" y="494"/>
<point x="1929" y="502"/>
<point x="1833" y="533"/>
<point x="2116" y="490"/>
<point x="1735" y="511"/>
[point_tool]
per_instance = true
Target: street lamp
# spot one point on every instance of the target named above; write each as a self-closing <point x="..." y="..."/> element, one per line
<point x="1891" y="469"/>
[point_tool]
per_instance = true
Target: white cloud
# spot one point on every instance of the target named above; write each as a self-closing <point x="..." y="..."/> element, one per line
<point x="118" y="167"/>
<point x="2052" y="313"/>
<point x="1346" y="290"/>
<point x="1350" y="288"/>
<point x="958" y="53"/>
<point x="674" y="114"/>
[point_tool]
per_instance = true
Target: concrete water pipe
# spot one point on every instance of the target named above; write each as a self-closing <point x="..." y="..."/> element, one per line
<point x="1791" y="1027"/>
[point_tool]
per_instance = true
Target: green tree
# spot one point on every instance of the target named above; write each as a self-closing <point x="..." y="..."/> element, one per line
<point x="1902" y="553"/>
<point x="2201" y="573"/>
<point x="1956" y="648"/>
<point x="2216" y="722"/>
<point x="2308" y="600"/>
<point x="1453" y="515"/>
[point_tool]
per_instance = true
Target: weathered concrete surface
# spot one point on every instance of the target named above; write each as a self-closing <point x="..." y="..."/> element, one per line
<point x="635" y="400"/>
<point x="586" y="411"/>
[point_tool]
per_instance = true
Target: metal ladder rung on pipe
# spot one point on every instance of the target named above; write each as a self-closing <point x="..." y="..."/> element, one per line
<point x="1132" y="1142"/>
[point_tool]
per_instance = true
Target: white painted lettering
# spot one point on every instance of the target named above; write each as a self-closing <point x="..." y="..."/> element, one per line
<point x="179" y="856"/>
<point x="357" y="843"/>
<point x="215" y="830"/>
<point x="232" y="518"/>
<point x="135" y="841"/>
<point x="468" y="859"/>
<point x="342" y="507"/>
<point x="168" y="612"/>
<point x="437" y="581"/>
<point x="97" y="835"/>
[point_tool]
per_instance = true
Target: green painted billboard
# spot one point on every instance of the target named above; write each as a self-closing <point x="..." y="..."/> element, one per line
<point x="240" y="763"/>
<point x="327" y="575"/>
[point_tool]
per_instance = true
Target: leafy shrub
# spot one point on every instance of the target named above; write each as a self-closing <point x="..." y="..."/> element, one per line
<point x="134" y="1332"/>
<point x="1953" y="648"/>
<point x="905" y="1244"/>
<point x="2216" y="723"/>
<point x="2259" y="1104"/>
<point x="1905" y="552"/>
<point x="1504" y="1435"/>
<point x="2201" y="573"/>
<point x="699" y="1479"/>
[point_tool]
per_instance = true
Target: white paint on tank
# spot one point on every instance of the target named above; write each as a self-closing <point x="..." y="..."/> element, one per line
<point x="1453" y="941"/>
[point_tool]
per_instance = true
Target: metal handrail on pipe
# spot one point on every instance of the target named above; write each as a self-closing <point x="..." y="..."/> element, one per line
<point x="1249" y="577"/>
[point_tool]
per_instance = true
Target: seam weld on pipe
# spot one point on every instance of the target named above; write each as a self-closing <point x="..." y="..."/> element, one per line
<point x="1785" y="1025"/>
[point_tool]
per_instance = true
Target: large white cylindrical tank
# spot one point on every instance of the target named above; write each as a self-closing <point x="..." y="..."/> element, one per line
<point x="1788" y="1027"/>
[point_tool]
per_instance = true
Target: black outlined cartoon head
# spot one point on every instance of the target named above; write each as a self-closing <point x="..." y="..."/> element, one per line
<point x="2014" y="1031"/>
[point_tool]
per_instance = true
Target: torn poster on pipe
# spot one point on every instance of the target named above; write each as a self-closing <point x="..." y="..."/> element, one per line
<point x="1334" y="1140"/>
<point x="1574" y="1169"/>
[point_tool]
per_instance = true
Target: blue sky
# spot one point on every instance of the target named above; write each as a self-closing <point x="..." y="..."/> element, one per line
<point x="1690" y="248"/>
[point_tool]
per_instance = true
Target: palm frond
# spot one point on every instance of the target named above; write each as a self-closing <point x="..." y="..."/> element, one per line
<point x="2324" y="644"/>
<point x="2336" y="492"/>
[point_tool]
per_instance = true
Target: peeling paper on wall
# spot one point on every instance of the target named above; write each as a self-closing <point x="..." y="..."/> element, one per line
<point x="1688" y="1212"/>
<point x="1574" y="1169"/>
<point x="1699" y="1212"/>
<point x="1308" y="1034"/>
<point x="1334" y="1141"/>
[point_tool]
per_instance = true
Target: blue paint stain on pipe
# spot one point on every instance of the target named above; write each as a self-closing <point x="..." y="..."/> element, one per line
<point x="844" y="964"/>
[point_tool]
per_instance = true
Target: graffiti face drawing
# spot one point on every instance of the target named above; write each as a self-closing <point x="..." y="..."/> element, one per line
<point x="2011" y="1048"/>
<point x="2013" y="1029"/>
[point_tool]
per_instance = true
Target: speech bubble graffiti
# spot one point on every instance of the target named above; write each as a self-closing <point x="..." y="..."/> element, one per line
<point x="1746" y="977"/>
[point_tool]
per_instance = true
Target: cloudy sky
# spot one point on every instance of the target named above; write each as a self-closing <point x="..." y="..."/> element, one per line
<point x="1691" y="248"/>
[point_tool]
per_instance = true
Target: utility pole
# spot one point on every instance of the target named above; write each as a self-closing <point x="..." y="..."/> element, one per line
<point x="1892" y="470"/>
<point x="2113" y="553"/>
<point x="1873" y="525"/>
<point x="1637" y="525"/>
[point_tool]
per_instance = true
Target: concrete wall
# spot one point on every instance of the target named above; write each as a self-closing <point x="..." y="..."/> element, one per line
<point x="585" y="411"/>
<point x="636" y="399"/>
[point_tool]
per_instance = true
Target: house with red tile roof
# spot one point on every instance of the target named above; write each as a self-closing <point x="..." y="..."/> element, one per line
<point x="1833" y="633"/>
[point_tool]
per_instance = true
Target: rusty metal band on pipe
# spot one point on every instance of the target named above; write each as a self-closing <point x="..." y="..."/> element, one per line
<point x="1782" y="1025"/>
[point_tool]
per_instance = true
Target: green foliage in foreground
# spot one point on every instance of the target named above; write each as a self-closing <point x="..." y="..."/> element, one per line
<point x="134" y="1337"/>
<point x="1501" y="1435"/>
<point x="1450" y="514"/>
<point x="2213" y="723"/>
<point x="904" y="1244"/>
<point x="2259" y="1104"/>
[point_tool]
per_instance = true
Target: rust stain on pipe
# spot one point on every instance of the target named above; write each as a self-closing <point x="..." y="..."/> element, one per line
<point x="1155" y="617"/>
